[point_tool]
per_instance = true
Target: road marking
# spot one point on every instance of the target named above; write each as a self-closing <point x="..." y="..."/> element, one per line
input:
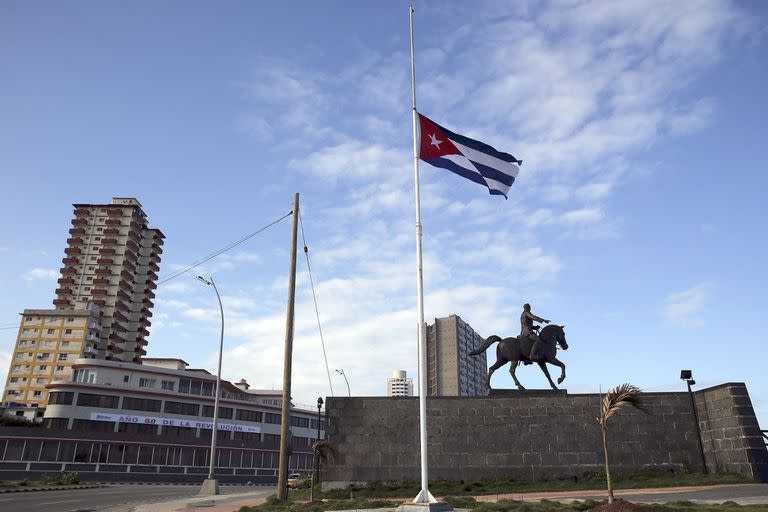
<point x="57" y="502"/>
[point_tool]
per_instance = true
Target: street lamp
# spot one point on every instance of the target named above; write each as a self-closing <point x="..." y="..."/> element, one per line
<point x="211" y="485"/>
<point x="345" y="380"/>
<point x="687" y="376"/>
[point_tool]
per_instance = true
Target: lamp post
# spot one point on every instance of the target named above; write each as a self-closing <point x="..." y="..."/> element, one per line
<point x="687" y="376"/>
<point x="317" y="453"/>
<point x="345" y="380"/>
<point x="211" y="485"/>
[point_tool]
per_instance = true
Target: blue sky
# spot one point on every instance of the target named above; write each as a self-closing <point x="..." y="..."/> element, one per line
<point x="636" y="220"/>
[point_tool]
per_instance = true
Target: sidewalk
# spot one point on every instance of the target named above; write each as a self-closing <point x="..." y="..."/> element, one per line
<point x="222" y="503"/>
<point x="740" y="493"/>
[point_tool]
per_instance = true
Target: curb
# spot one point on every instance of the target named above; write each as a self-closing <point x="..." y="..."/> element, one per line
<point x="63" y="488"/>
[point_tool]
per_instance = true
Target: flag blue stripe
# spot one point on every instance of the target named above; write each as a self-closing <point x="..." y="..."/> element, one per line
<point x="494" y="174"/>
<point x="455" y="168"/>
<point x="477" y="145"/>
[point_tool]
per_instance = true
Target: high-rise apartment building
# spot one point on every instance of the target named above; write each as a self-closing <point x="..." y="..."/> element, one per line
<point x="451" y="371"/>
<point x="399" y="384"/>
<point x="102" y="305"/>
<point x="112" y="259"/>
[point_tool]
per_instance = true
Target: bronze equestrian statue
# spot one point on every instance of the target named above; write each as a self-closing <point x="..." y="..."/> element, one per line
<point x="517" y="350"/>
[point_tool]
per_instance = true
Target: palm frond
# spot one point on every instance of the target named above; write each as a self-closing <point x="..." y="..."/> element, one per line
<point x="325" y="450"/>
<point x="626" y="395"/>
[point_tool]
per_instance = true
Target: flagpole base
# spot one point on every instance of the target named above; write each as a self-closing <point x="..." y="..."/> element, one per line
<point x="424" y="497"/>
<point x="425" y="507"/>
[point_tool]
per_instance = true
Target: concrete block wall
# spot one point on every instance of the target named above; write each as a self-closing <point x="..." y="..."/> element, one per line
<point x="535" y="435"/>
<point x="732" y="439"/>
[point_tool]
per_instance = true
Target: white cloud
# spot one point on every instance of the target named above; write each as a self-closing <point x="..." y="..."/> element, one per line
<point x="38" y="274"/>
<point x="688" y="307"/>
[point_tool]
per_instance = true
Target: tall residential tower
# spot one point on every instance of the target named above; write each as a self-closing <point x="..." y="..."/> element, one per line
<point x="451" y="371"/>
<point x="112" y="259"/>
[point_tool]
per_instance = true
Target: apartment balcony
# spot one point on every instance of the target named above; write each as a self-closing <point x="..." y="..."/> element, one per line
<point x="129" y="265"/>
<point x="63" y="291"/>
<point x="127" y="276"/>
<point x="61" y="302"/>
<point x="82" y="212"/>
<point x="99" y="302"/>
<point x="70" y="261"/>
<point x="149" y="293"/>
<point x="114" y="212"/>
<point x="100" y="281"/>
<point x="144" y="322"/>
<point x="108" y="241"/>
<point x="143" y="331"/>
<point x="154" y="267"/>
<point x="111" y="231"/>
<point x="152" y="275"/>
<point x="68" y="270"/>
<point x="149" y="303"/>
<point x="122" y="306"/>
<point x="132" y="246"/>
<point x="98" y="291"/>
<point x="146" y="312"/>
<point x="73" y="250"/>
<point x="113" y="222"/>
<point x="79" y="222"/>
<point x="75" y="241"/>
<point x="90" y="349"/>
<point x="125" y="285"/>
<point x="101" y="271"/>
<point x="140" y="351"/>
<point x="66" y="280"/>
<point x="119" y="316"/>
<point x="107" y="250"/>
<point x="121" y="294"/>
<point x="23" y="358"/>
<point x="77" y="231"/>
<point x="105" y="261"/>
<point x="136" y="359"/>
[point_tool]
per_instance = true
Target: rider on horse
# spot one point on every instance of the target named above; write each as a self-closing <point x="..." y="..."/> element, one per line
<point x="527" y="330"/>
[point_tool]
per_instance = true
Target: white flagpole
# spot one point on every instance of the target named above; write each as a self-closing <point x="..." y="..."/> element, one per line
<point x="424" y="495"/>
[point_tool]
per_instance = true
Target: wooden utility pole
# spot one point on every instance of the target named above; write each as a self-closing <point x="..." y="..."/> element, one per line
<point x="285" y="423"/>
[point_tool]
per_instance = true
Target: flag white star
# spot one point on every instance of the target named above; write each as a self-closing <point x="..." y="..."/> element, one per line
<point x="434" y="141"/>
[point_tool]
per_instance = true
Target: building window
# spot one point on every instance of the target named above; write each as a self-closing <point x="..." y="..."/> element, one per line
<point x="84" y="375"/>
<point x="271" y="418"/>
<point x="184" y="385"/>
<point x="147" y="383"/>
<point x="43" y="368"/>
<point x="183" y="408"/>
<point x="62" y="357"/>
<point x="64" y="344"/>
<point x="37" y="393"/>
<point x="168" y="384"/>
<point x="59" y="368"/>
<point x="91" y="400"/>
<point x="28" y="319"/>
<point x="71" y="319"/>
<point x="67" y="331"/>
<point x="140" y="404"/>
<point x="51" y="331"/>
<point x="224" y="412"/>
<point x="245" y="415"/>
<point x="61" y="397"/>
<point x="14" y="379"/>
<point x="93" y="258"/>
<point x="126" y="378"/>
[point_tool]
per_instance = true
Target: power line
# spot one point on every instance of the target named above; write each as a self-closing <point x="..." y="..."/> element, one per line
<point x="176" y="274"/>
<point x="314" y="298"/>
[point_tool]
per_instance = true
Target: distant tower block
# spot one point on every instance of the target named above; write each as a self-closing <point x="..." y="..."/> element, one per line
<point x="451" y="371"/>
<point x="399" y="384"/>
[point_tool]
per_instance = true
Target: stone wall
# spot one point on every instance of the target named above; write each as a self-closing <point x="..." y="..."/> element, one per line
<point x="532" y="435"/>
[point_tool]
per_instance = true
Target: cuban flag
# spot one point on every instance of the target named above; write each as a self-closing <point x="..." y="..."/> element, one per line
<point x="467" y="157"/>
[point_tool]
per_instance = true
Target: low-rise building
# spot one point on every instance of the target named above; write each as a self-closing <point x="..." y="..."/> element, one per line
<point x="48" y="343"/>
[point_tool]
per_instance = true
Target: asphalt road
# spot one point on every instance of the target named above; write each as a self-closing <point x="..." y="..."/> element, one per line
<point x="106" y="498"/>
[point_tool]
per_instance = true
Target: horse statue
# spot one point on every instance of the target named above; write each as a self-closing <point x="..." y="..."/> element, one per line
<point x="517" y="349"/>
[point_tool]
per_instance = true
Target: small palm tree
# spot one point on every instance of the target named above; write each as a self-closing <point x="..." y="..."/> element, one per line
<point x="613" y="401"/>
<point x="325" y="451"/>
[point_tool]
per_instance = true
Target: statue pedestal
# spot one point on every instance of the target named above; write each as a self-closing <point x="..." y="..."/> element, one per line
<point x="509" y="393"/>
<point x="425" y="507"/>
